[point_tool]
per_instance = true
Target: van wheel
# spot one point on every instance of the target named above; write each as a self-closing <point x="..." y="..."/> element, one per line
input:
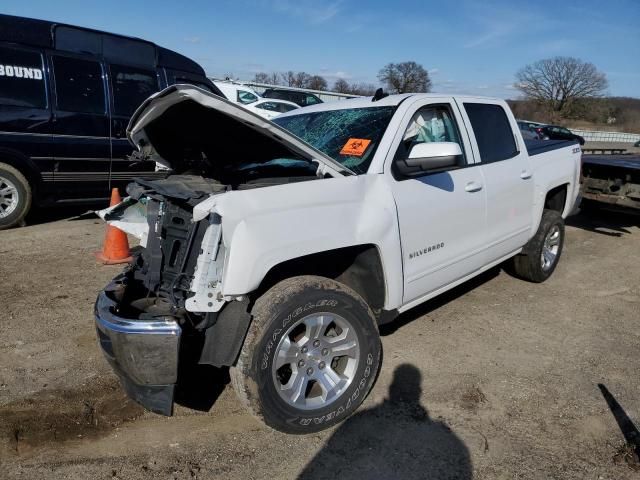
<point x="15" y="196"/>
<point x="310" y="357"/>
<point x="540" y="256"/>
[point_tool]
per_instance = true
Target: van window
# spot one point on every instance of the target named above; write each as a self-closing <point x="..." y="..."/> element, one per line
<point x="21" y="79"/>
<point x="492" y="131"/>
<point x="131" y="87"/>
<point x="79" y="86"/>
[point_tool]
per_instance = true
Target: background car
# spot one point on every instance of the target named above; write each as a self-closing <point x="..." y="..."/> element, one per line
<point x="555" y="132"/>
<point x="237" y="92"/>
<point x="271" y="108"/>
<point x="532" y="130"/>
<point x="298" y="97"/>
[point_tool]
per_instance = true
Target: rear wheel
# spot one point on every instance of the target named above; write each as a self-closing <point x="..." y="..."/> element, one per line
<point x="540" y="256"/>
<point x="15" y="196"/>
<point x="310" y="357"/>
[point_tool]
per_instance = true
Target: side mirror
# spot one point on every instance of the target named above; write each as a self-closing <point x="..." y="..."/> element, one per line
<point x="430" y="156"/>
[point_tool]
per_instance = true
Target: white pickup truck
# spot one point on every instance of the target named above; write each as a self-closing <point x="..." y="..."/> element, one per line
<point x="278" y="248"/>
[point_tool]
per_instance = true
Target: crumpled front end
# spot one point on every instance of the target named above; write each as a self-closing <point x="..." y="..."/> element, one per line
<point x="143" y="314"/>
<point x="142" y="351"/>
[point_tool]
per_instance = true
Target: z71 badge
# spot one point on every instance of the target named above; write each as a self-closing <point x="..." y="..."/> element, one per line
<point x="430" y="249"/>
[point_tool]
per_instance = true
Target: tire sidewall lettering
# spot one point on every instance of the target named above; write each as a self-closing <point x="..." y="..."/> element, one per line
<point x="342" y="409"/>
<point x="286" y="322"/>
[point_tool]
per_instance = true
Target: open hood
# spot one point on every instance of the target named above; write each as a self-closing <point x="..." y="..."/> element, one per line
<point x="185" y="127"/>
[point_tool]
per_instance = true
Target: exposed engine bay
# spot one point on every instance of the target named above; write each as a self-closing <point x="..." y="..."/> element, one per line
<point x="180" y="261"/>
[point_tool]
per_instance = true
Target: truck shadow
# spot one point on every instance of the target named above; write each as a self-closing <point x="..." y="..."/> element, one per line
<point x="439" y="301"/>
<point x="198" y="386"/>
<point x="413" y="444"/>
<point x="612" y="223"/>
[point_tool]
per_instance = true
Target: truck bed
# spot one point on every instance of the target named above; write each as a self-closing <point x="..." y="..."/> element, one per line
<point x="536" y="147"/>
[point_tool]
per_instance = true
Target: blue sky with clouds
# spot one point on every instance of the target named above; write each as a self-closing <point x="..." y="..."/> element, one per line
<point x="468" y="46"/>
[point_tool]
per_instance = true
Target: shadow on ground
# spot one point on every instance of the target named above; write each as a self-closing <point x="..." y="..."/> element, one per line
<point x="39" y="216"/>
<point x="613" y="223"/>
<point x="199" y="386"/>
<point x="439" y="301"/>
<point x="629" y="453"/>
<point x="413" y="444"/>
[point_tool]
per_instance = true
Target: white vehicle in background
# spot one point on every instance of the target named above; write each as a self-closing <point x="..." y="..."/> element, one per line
<point x="237" y="92"/>
<point x="270" y="108"/>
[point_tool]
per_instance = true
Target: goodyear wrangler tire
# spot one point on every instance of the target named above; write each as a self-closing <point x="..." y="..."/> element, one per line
<point x="310" y="357"/>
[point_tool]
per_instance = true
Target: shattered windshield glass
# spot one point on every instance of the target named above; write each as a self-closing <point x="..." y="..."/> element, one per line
<point x="349" y="136"/>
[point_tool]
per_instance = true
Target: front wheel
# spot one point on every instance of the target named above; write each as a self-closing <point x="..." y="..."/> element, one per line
<point x="540" y="256"/>
<point x="310" y="357"/>
<point x="15" y="196"/>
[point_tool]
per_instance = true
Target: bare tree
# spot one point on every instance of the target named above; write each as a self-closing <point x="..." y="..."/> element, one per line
<point x="559" y="81"/>
<point x="261" y="77"/>
<point x="364" y="89"/>
<point x="301" y="80"/>
<point x="405" y="77"/>
<point x="341" y="86"/>
<point x="272" y="78"/>
<point x="316" y="82"/>
<point x="288" y="78"/>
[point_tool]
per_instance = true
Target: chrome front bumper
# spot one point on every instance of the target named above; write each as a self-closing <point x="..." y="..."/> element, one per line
<point x="144" y="353"/>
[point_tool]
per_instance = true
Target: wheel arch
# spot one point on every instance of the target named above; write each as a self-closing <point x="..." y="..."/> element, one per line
<point x="556" y="198"/>
<point x="23" y="164"/>
<point x="359" y="267"/>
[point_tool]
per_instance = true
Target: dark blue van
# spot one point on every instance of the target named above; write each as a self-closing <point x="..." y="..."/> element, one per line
<point x="66" y="95"/>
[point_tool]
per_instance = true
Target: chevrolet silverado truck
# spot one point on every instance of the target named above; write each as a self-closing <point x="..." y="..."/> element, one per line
<point x="278" y="248"/>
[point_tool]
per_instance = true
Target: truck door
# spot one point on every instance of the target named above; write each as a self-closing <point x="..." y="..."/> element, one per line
<point x="130" y="86"/>
<point x="507" y="176"/>
<point x="442" y="213"/>
<point x="80" y="128"/>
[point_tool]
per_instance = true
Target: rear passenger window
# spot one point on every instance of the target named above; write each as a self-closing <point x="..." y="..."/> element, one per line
<point x="21" y="79"/>
<point x="492" y="131"/>
<point x="245" y="97"/>
<point x="311" y="100"/>
<point x="131" y="87"/>
<point x="79" y="86"/>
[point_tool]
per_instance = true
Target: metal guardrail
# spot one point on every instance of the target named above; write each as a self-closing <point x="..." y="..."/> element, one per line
<point x="602" y="136"/>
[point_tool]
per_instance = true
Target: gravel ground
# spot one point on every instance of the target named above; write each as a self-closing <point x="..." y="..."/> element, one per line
<point x="495" y="380"/>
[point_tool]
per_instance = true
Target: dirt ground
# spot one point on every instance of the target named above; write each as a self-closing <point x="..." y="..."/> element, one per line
<point x="496" y="380"/>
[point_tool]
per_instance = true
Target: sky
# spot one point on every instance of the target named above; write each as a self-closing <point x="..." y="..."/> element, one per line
<point x="472" y="47"/>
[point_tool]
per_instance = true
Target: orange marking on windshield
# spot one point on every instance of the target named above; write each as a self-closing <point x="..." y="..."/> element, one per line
<point x="355" y="147"/>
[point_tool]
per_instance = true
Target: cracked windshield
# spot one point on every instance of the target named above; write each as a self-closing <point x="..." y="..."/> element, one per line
<point x="349" y="136"/>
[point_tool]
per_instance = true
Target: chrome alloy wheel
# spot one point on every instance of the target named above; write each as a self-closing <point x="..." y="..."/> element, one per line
<point x="8" y="197"/>
<point x="316" y="361"/>
<point x="550" y="248"/>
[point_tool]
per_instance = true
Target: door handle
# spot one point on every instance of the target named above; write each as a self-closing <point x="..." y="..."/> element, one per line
<point x="473" y="187"/>
<point x="525" y="175"/>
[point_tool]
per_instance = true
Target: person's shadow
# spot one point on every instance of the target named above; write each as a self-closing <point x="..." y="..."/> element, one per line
<point x="395" y="440"/>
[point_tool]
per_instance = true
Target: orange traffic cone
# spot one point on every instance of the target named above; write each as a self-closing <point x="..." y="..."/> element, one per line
<point x="116" y="245"/>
